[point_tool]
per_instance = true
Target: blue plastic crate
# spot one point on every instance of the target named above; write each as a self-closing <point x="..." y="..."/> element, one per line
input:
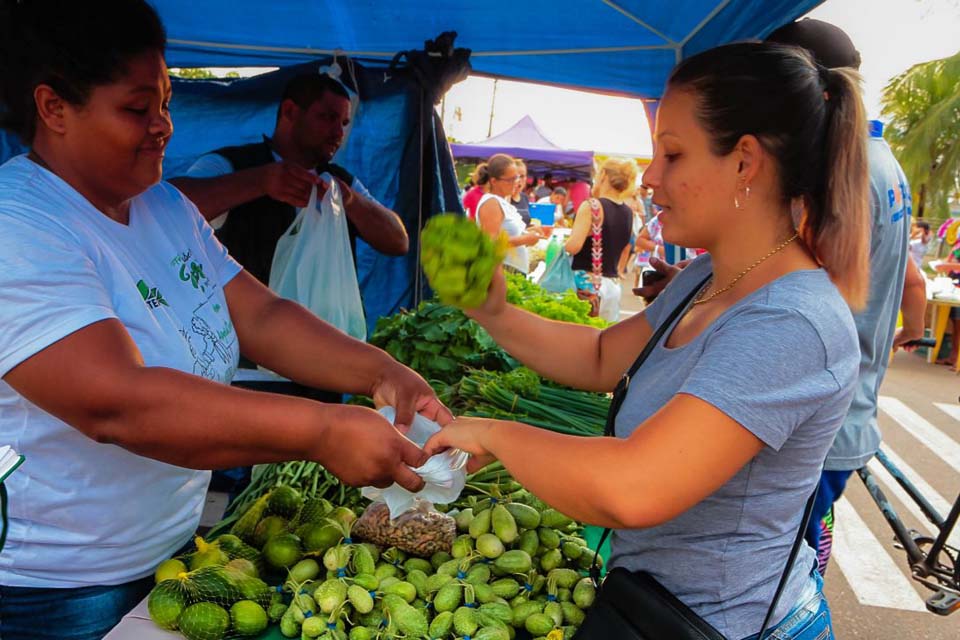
<point x="543" y="212"/>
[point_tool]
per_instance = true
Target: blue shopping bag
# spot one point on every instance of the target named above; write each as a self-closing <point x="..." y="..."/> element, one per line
<point x="558" y="276"/>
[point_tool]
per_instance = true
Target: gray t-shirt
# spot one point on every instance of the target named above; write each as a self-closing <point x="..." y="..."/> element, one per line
<point x="859" y="437"/>
<point x="782" y="362"/>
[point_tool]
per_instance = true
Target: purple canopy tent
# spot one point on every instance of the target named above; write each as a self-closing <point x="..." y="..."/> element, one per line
<point x="525" y="141"/>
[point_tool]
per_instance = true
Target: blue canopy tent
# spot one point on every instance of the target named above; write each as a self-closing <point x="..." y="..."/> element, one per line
<point x="397" y="147"/>
<point x="524" y="140"/>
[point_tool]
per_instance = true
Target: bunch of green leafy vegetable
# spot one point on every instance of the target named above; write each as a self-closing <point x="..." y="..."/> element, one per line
<point x="439" y="342"/>
<point x="564" y="306"/>
<point x="521" y="395"/>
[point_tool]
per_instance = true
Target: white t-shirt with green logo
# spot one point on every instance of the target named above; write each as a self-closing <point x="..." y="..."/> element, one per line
<point x="83" y="513"/>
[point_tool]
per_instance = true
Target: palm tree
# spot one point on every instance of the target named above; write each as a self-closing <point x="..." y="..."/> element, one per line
<point x="922" y="109"/>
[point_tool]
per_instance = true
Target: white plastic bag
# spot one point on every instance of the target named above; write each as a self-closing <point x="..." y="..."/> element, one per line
<point x="610" y="294"/>
<point x="445" y="473"/>
<point x="313" y="263"/>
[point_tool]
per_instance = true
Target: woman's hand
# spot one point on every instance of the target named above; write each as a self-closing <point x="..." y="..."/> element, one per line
<point x="530" y="239"/>
<point x="496" y="300"/>
<point x="408" y="393"/>
<point x="362" y="449"/>
<point x="467" y="434"/>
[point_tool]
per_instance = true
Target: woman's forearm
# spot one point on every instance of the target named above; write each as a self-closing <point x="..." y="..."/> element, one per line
<point x="209" y="425"/>
<point x="294" y="343"/>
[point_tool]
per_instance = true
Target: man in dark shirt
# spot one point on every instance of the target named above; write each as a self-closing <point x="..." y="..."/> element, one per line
<point x="258" y="186"/>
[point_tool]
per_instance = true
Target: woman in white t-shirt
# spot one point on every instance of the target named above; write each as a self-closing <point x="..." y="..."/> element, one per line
<point x="495" y="213"/>
<point x="121" y="325"/>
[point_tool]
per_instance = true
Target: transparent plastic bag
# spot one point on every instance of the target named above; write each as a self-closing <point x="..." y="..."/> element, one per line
<point x="313" y="263"/>
<point x="421" y="531"/>
<point x="444" y="474"/>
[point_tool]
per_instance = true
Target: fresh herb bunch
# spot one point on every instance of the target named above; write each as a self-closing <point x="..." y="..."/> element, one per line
<point x="439" y="342"/>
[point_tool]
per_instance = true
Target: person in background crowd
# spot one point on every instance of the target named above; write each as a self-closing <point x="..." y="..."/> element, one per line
<point x="920" y="241"/>
<point x="561" y="200"/>
<point x="605" y="221"/>
<point x="472" y="197"/>
<point x="649" y="246"/>
<point x="543" y="189"/>
<point x="951" y="267"/>
<point x="499" y="175"/>
<point x="121" y="327"/>
<point x="896" y="285"/>
<point x="259" y="186"/>
<point x="519" y="198"/>
<point x="636" y="206"/>
<point x="646" y="197"/>
<point x="579" y="191"/>
<point x="723" y="430"/>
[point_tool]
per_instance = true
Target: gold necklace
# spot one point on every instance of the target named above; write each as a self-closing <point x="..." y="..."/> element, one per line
<point x="700" y="299"/>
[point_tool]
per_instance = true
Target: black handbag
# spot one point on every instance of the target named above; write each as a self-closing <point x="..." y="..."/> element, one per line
<point x="633" y="605"/>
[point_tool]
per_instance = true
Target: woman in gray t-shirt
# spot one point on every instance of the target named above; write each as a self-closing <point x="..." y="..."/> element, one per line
<point x="760" y="159"/>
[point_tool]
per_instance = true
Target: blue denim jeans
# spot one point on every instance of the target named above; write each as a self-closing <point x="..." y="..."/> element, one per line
<point x="809" y="620"/>
<point x="85" y="613"/>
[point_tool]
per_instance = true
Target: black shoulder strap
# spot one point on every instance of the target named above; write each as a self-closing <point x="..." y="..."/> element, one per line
<point x="620" y="392"/>
<point x="618" y="396"/>
<point x="790" y="560"/>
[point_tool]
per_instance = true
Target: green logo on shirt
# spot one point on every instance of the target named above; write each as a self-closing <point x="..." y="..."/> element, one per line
<point x="151" y="295"/>
<point x="191" y="271"/>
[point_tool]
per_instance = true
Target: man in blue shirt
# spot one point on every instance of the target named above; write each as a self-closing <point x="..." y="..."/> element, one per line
<point x="896" y="284"/>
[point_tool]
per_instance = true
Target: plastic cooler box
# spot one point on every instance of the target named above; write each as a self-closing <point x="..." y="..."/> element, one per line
<point x="543" y="212"/>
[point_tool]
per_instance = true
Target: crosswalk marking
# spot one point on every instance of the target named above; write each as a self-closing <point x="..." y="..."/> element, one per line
<point x="920" y="428"/>
<point x="869" y="569"/>
<point x="952" y="410"/>
<point x="935" y="499"/>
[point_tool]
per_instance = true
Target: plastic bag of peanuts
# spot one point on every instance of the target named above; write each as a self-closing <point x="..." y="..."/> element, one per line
<point x="420" y="531"/>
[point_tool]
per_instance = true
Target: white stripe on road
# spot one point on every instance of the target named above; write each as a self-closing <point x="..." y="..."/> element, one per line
<point x="950" y="409"/>
<point x="935" y="499"/>
<point x="920" y="428"/>
<point x="868" y="568"/>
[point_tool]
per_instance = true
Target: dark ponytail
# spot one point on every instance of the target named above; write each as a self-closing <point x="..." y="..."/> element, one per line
<point x="811" y="121"/>
<point x="837" y="226"/>
<point x="495" y="166"/>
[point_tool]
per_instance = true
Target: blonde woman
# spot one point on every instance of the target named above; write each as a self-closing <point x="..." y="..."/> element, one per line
<point x="601" y="232"/>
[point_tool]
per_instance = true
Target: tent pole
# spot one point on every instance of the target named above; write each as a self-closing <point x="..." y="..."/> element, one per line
<point x="493" y="101"/>
<point x="418" y="287"/>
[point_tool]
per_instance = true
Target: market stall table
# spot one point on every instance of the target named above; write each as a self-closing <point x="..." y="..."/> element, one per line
<point x="940" y="314"/>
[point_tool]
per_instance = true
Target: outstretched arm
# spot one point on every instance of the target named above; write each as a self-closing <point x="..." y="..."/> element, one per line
<point x="96" y="381"/>
<point x="671" y="462"/>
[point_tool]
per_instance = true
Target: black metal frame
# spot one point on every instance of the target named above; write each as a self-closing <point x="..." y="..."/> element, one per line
<point x="933" y="563"/>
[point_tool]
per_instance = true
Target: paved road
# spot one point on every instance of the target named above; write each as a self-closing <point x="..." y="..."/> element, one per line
<point x="868" y="584"/>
